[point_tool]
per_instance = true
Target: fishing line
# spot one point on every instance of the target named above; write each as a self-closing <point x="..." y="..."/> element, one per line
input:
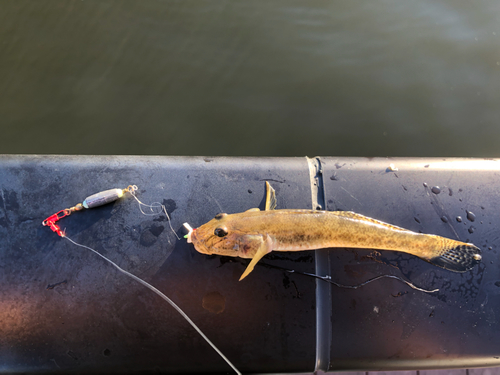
<point x="111" y="195"/>
<point x="172" y="303"/>
<point x="328" y="279"/>
<point x="158" y="205"/>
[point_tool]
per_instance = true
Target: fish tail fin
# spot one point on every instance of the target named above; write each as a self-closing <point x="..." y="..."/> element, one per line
<point x="457" y="257"/>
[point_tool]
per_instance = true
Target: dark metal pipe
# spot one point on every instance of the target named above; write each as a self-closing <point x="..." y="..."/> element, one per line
<point x="63" y="309"/>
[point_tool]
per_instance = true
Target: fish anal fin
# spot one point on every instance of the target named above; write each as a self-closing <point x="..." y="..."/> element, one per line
<point x="270" y="197"/>
<point x="355" y="216"/>
<point x="264" y="248"/>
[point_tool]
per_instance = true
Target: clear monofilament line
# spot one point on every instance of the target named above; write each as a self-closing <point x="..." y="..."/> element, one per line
<point x="329" y="280"/>
<point x="172" y="303"/>
<point x="157" y="205"/>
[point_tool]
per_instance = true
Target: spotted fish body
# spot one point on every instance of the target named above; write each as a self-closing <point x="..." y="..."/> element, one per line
<point x="254" y="233"/>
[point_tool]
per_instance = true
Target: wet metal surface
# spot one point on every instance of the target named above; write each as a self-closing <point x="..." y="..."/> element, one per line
<point x="64" y="309"/>
<point x="387" y="325"/>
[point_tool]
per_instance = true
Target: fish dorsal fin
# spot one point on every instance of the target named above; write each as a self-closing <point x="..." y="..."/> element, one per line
<point x="270" y="197"/>
<point x="252" y="209"/>
<point x="355" y="216"/>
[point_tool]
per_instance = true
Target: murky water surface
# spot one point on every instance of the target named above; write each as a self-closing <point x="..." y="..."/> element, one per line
<point x="278" y="78"/>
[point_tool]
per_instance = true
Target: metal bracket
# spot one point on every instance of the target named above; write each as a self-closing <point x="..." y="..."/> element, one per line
<point x="322" y="264"/>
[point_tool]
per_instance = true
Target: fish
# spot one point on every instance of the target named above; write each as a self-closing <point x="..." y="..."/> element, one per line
<point x="254" y="233"/>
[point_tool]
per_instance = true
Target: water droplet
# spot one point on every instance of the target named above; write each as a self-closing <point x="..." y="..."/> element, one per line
<point x="470" y="216"/>
<point x="392" y="168"/>
<point x="471" y="229"/>
<point x="444" y="219"/>
<point x="497" y="283"/>
<point x="318" y="207"/>
<point x="459" y="219"/>
<point x="249" y="191"/>
<point x="450" y="192"/>
<point x="436" y="189"/>
<point x="425" y="184"/>
<point x="416" y="219"/>
<point x="490" y="248"/>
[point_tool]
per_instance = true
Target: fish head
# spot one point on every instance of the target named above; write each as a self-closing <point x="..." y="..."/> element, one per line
<point x="225" y="236"/>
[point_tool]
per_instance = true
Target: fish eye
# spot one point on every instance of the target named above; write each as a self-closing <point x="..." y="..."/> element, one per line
<point x="220" y="216"/>
<point x="220" y="232"/>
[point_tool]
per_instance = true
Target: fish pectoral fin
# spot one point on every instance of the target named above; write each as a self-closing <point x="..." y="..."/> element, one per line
<point x="270" y="197"/>
<point x="253" y="209"/>
<point x="265" y="248"/>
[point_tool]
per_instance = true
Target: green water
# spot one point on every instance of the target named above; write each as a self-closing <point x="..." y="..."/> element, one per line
<point x="277" y="78"/>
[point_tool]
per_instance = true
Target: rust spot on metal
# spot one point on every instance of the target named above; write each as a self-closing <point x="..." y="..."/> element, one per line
<point x="214" y="302"/>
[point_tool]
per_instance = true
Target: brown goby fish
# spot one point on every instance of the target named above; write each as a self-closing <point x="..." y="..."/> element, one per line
<point x="255" y="233"/>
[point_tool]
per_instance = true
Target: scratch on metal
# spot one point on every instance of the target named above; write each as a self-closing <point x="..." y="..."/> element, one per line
<point x="352" y="196"/>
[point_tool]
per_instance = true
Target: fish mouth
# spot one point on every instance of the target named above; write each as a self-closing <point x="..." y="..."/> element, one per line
<point x="198" y="245"/>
